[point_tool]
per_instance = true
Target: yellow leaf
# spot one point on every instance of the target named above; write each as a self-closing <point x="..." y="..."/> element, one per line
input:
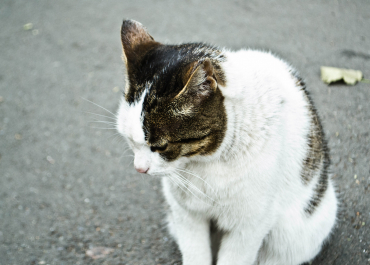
<point x="28" y="26"/>
<point x="332" y="74"/>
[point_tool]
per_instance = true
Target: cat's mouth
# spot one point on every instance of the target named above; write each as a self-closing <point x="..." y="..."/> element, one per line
<point x="148" y="168"/>
<point x="158" y="172"/>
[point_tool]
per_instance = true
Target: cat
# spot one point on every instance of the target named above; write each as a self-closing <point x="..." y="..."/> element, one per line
<point x="237" y="142"/>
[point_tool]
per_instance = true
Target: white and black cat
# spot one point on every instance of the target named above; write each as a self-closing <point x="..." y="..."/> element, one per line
<point x="237" y="141"/>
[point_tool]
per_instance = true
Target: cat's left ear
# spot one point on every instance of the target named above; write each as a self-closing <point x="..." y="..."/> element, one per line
<point x="136" y="41"/>
<point x="199" y="79"/>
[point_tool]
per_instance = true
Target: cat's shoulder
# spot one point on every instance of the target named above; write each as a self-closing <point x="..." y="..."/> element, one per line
<point x="258" y="59"/>
<point x="259" y="71"/>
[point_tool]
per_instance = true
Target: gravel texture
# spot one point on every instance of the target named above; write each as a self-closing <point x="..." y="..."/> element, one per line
<point x="67" y="188"/>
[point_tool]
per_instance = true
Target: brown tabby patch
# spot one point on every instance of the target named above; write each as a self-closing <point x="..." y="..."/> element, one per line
<point x="317" y="160"/>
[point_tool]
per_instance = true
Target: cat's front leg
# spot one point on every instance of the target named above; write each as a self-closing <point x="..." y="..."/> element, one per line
<point x="191" y="231"/>
<point x="192" y="234"/>
<point x="240" y="247"/>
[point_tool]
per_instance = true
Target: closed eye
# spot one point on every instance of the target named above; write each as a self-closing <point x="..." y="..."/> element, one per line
<point x="192" y="140"/>
<point x="158" y="148"/>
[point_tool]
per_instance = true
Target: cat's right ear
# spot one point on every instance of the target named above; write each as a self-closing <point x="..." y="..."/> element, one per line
<point x="136" y="41"/>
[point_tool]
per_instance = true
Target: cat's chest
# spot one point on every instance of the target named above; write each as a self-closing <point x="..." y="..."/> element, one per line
<point x="193" y="196"/>
<point x="204" y="194"/>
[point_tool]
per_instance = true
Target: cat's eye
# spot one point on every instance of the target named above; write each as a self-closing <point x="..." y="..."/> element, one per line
<point x="159" y="148"/>
<point x="192" y="140"/>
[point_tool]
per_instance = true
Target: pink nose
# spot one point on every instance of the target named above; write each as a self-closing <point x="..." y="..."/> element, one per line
<point x="142" y="170"/>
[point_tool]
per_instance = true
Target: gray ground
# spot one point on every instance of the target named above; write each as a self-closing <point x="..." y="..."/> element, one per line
<point x="67" y="188"/>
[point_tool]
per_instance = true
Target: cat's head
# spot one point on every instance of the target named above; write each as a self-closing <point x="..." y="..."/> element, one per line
<point x="173" y="109"/>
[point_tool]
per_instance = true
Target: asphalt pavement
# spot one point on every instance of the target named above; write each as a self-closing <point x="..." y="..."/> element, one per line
<point x="67" y="185"/>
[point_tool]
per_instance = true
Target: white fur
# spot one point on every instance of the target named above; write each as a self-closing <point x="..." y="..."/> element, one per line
<point x="251" y="186"/>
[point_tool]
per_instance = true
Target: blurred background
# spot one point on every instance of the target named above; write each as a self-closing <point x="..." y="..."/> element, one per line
<point x="67" y="187"/>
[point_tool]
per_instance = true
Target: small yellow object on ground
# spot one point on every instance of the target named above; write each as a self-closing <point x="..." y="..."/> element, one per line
<point x="332" y="74"/>
<point x="28" y="26"/>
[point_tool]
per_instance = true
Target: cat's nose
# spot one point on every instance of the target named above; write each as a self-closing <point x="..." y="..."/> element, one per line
<point x="142" y="160"/>
<point x="142" y="169"/>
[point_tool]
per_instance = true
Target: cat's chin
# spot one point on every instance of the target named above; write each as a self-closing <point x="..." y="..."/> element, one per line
<point x="160" y="171"/>
<point x="156" y="173"/>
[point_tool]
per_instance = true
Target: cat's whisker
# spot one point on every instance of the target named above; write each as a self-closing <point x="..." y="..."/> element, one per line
<point x="190" y="184"/>
<point x="143" y="178"/>
<point x="191" y="173"/>
<point x="175" y="183"/>
<point x="105" y="122"/>
<point x="112" y="118"/>
<point x="99" y="106"/>
<point x="99" y="119"/>
<point x="115" y="136"/>
<point x="126" y="149"/>
<point x="103" y="128"/>
<point x="178" y="182"/>
<point x="123" y="154"/>
<point x="122" y="157"/>
<point x="120" y="141"/>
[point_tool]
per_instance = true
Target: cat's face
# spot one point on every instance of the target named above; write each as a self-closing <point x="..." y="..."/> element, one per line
<point x="173" y="108"/>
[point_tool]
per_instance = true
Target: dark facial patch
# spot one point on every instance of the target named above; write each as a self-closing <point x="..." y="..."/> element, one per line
<point x="193" y="122"/>
<point x="317" y="160"/>
<point x="183" y="107"/>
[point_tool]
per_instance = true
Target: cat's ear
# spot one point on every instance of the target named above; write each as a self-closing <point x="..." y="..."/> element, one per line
<point x="199" y="79"/>
<point x="136" y="41"/>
